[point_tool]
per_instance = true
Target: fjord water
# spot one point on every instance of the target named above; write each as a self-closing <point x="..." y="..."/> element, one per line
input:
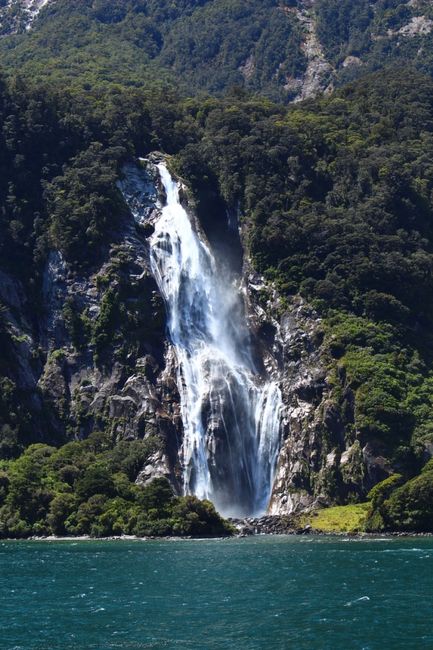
<point x="230" y="415"/>
<point x="262" y="593"/>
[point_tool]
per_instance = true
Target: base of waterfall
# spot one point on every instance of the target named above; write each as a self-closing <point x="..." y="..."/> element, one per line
<point x="268" y="525"/>
<point x="293" y="525"/>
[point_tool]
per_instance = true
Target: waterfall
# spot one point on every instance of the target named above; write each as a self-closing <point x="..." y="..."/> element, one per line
<point x="230" y="414"/>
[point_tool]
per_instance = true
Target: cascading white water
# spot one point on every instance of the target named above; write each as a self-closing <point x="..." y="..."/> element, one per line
<point x="231" y="416"/>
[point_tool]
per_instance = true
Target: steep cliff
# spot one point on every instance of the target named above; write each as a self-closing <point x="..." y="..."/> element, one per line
<point x="104" y="362"/>
<point x="322" y="459"/>
<point x="96" y="355"/>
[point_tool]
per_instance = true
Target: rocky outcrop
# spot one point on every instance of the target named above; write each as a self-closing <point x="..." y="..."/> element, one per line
<point x="322" y="461"/>
<point x="248" y="68"/>
<point x="418" y="26"/>
<point x="18" y="15"/>
<point x="318" y="75"/>
<point x="268" y="525"/>
<point x="79" y="372"/>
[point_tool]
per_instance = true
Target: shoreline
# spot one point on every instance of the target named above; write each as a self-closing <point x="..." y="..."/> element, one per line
<point x="349" y="536"/>
<point x="248" y="527"/>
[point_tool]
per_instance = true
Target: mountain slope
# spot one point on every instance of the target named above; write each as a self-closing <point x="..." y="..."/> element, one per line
<point x="206" y="46"/>
<point x="335" y="201"/>
<point x="288" y="50"/>
<point x="333" y="198"/>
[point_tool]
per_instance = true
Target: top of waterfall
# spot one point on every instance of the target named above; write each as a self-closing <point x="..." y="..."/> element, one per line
<point x="171" y="186"/>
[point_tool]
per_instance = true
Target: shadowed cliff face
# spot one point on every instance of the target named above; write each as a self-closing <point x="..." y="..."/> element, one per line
<point x="95" y="357"/>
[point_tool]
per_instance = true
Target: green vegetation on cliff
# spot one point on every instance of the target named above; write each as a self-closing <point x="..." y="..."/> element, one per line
<point x="335" y="198"/>
<point x="404" y="506"/>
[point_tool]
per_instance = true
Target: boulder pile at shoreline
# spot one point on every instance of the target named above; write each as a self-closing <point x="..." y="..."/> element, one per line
<point x="268" y="525"/>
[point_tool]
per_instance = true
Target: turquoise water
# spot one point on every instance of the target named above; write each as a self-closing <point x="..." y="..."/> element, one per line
<point x="263" y="592"/>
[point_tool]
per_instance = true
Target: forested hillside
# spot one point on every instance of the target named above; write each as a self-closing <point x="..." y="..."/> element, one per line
<point x="335" y="201"/>
<point x="195" y="45"/>
<point x="284" y="49"/>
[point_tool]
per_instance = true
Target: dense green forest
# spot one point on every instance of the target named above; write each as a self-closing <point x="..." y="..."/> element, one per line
<point x="87" y="488"/>
<point x="336" y="199"/>
<point x="196" y="45"/>
<point x="211" y="46"/>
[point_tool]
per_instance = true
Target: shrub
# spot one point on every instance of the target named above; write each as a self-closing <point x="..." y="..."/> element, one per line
<point x="410" y="507"/>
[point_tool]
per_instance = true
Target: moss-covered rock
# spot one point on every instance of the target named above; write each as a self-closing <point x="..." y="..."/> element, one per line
<point x="340" y="519"/>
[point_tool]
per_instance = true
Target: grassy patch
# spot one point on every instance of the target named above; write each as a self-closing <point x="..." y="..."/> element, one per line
<point x="340" y="519"/>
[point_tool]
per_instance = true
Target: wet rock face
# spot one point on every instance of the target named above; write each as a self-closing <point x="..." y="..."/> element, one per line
<point x="86" y="375"/>
<point x="267" y="525"/>
<point x="321" y="460"/>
